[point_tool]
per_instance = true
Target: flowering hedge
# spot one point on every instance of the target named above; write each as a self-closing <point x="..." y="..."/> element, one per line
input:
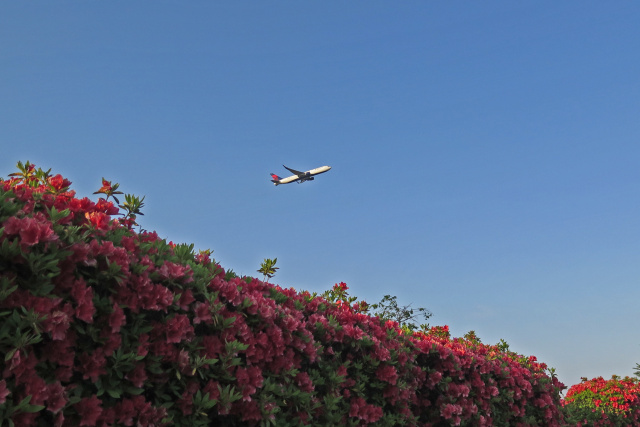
<point x="102" y="325"/>
<point x="600" y="402"/>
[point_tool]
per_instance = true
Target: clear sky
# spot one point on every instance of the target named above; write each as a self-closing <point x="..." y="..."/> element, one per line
<point x="485" y="155"/>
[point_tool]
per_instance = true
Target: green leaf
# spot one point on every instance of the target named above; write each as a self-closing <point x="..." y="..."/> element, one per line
<point x="33" y="408"/>
<point x="10" y="354"/>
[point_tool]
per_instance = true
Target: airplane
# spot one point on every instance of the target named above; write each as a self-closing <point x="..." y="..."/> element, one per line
<point x="300" y="177"/>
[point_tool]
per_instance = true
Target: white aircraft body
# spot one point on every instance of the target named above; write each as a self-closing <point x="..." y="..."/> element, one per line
<point x="299" y="176"/>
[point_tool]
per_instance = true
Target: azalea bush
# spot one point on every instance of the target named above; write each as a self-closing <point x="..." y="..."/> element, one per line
<point x="101" y="325"/>
<point x="600" y="402"/>
<point x="386" y="309"/>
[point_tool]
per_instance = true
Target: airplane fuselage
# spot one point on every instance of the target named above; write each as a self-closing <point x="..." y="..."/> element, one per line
<point x="300" y="176"/>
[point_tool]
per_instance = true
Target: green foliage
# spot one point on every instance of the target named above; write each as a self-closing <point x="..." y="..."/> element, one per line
<point x="268" y="268"/>
<point x="109" y="190"/>
<point x="101" y="325"/>
<point x="31" y="176"/>
<point x="406" y="316"/>
<point x="600" y="402"/>
<point x="132" y="206"/>
<point x="386" y="309"/>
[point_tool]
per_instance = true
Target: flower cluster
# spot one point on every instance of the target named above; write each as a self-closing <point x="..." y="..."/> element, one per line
<point x="600" y="402"/>
<point x="101" y="326"/>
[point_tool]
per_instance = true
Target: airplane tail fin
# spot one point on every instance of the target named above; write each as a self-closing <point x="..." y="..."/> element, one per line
<point x="275" y="179"/>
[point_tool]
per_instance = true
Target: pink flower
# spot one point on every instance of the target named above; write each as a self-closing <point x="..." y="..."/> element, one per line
<point x="173" y="271"/>
<point x="203" y="313"/>
<point x="304" y="382"/>
<point x="387" y="373"/>
<point x="112" y="341"/>
<point x="151" y="296"/>
<point x="183" y="362"/>
<point x="342" y="371"/>
<point x="185" y="403"/>
<point x="213" y="389"/>
<point x="89" y="410"/>
<point x="449" y="410"/>
<point x="92" y="366"/>
<point x="117" y="318"/>
<point x="61" y="352"/>
<point x="360" y="409"/>
<point x="31" y="230"/>
<point x="57" y="324"/>
<point x="178" y="328"/>
<point x="125" y="412"/>
<point x="147" y="415"/>
<point x="213" y="346"/>
<point x="382" y="353"/>
<point x="4" y="391"/>
<point x="249" y="379"/>
<point x="434" y="379"/>
<point x="84" y="297"/>
<point x="185" y="299"/>
<point x="56" y="398"/>
<point x="138" y="375"/>
<point x="143" y="345"/>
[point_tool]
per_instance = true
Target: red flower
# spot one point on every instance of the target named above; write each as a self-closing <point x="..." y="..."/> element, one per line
<point x="213" y="389"/>
<point x="185" y="403"/>
<point x="360" y="409"/>
<point x="31" y="230"/>
<point x="387" y="373"/>
<point x="112" y="341"/>
<point x="178" y="328"/>
<point x="143" y="345"/>
<point x="304" y="382"/>
<point x="59" y="183"/>
<point x="92" y="366"/>
<point x="185" y="299"/>
<point x="56" y="398"/>
<point x="151" y="296"/>
<point x="61" y="352"/>
<point x="4" y="391"/>
<point x="203" y="313"/>
<point x="147" y="415"/>
<point x="183" y="362"/>
<point x="106" y="207"/>
<point x="106" y="187"/>
<point x="173" y="271"/>
<point x="449" y="410"/>
<point x="117" y="318"/>
<point x="340" y="287"/>
<point x="125" y="412"/>
<point x="89" y="410"/>
<point x="98" y="219"/>
<point x="57" y="324"/>
<point x="84" y="297"/>
<point x="249" y="379"/>
<point x="35" y="387"/>
<point x="138" y="375"/>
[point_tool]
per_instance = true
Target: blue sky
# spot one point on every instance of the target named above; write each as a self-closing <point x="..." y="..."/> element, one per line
<point x="485" y="154"/>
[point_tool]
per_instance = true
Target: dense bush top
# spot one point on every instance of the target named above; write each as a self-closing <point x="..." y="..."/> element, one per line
<point x="102" y="325"/>
<point x="599" y="402"/>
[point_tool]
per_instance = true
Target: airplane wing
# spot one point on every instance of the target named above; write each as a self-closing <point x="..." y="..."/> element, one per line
<point x="294" y="171"/>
